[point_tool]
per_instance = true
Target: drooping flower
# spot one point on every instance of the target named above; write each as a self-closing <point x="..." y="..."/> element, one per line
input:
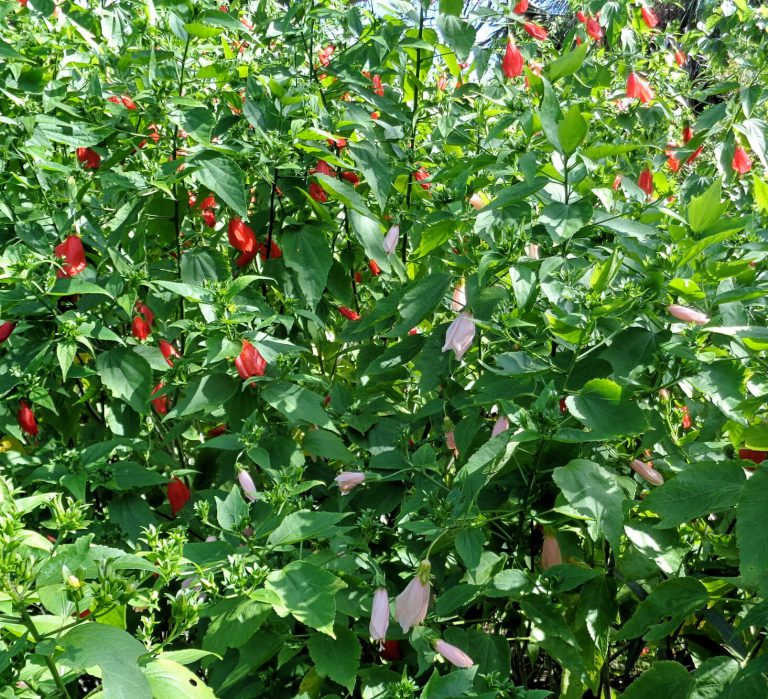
<point x="581" y="16"/>
<point x="672" y="161"/>
<point x="450" y="442"/>
<point x="478" y="201"/>
<point x="688" y="315"/>
<point x="442" y="83"/>
<point x="521" y="8"/>
<point x="73" y="254"/>
<point x="161" y="403"/>
<point x="647" y="471"/>
<point x="452" y="654"/>
<point x="687" y="133"/>
<point x="420" y="175"/>
<point x="753" y="455"/>
<point x="412" y="603"/>
<point x="460" y="334"/>
<point x="637" y="88"/>
<point x="501" y="425"/>
<point x="6" y="329"/>
<point x="646" y="182"/>
<point x="649" y="17"/>
<point x="250" y="362"/>
<point x="209" y="218"/>
<point x="325" y="54"/>
<point x="550" y="552"/>
<point x="140" y="328"/>
<point x="247" y="484"/>
<point x="512" y="63"/>
<point x="348" y="480"/>
<point x="241" y="236"/>
<point x="680" y="58"/>
<point x="349" y="313"/>
<point x="533" y="251"/>
<point x="317" y="192"/>
<point x="391" y="239"/>
<point x="741" y="162"/>
<point x="459" y="299"/>
<point x="537" y="32"/>
<point x="351" y="177"/>
<point x="378" y="88"/>
<point x="178" y="495"/>
<point x="379" y="616"/>
<point x="26" y="419"/>
<point x="168" y="351"/>
<point x="89" y="158"/>
<point x="375" y="269"/>
<point x="694" y="155"/>
<point x="616" y="183"/>
<point x="594" y="29"/>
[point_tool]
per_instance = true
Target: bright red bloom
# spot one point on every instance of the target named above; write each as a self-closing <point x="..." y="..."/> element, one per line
<point x="694" y="155"/>
<point x="336" y="142"/>
<point x="637" y="88"/>
<point x="250" y="362"/>
<point x="209" y="218"/>
<point x="140" y="328"/>
<point x="317" y="193"/>
<point x="563" y="406"/>
<point x="326" y="54"/>
<point x="244" y="258"/>
<point x="378" y="88"/>
<point x="168" y="351"/>
<point x="594" y="29"/>
<point x="672" y="161"/>
<point x="375" y="269"/>
<point x="686" y="422"/>
<point x="616" y="183"/>
<point x="216" y="431"/>
<point x="374" y="115"/>
<point x="349" y="313"/>
<point x="351" y="177"/>
<point x="420" y="175"/>
<point x="687" y="133"/>
<point x="5" y="330"/>
<point x="128" y="102"/>
<point x="73" y="254"/>
<point x="581" y="17"/>
<point x="27" y="420"/>
<point x="145" y="310"/>
<point x="241" y="236"/>
<point x="160" y="404"/>
<point x="521" y="8"/>
<point x="753" y="455"/>
<point x="741" y="162"/>
<point x="649" y="17"/>
<point x="680" y="58"/>
<point x="536" y="31"/>
<point x="208" y="203"/>
<point x="89" y="158"/>
<point x="512" y="63"/>
<point x="646" y="182"/>
<point x="178" y="495"/>
<point x="323" y="168"/>
<point x="114" y="99"/>
<point x="275" y="252"/>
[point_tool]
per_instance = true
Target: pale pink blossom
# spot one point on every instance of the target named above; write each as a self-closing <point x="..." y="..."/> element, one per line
<point x="453" y="654"/>
<point x="379" y="616"/>
<point x="450" y="442"/>
<point x="648" y="472"/>
<point x="479" y="200"/>
<point x="532" y="250"/>
<point x="459" y="300"/>
<point x="688" y="315"/>
<point x="460" y="334"/>
<point x="348" y="480"/>
<point x="550" y="552"/>
<point x="247" y="484"/>
<point x="390" y="239"/>
<point x="502" y="425"/>
<point x="412" y="603"/>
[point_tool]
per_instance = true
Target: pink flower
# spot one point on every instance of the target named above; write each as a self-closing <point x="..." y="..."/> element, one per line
<point x="479" y="200"/>
<point x="247" y="484"/>
<point x="688" y="315"/>
<point x="741" y="162"/>
<point x="460" y="334"/>
<point x="648" y="472"/>
<point x="379" y="616"/>
<point x="550" y="552"/>
<point x="532" y="250"/>
<point x="348" y="480"/>
<point x="637" y="88"/>
<point x="450" y="442"/>
<point x="453" y="654"/>
<point x="502" y="425"/>
<point x="412" y="603"/>
<point x="459" y="300"/>
<point x="390" y="240"/>
<point x="649" y="17"/>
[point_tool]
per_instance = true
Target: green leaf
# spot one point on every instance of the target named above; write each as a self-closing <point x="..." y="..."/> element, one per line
<point x="702" y="488"/>
<point x="509" y="583"/>
<point x="223" y="177"/>
<point x="562" y="221"/>
<point x="369" y="233"/>
<point x="77" y="134"/>
<point x="755" y="130"/>
<point x="550" y="115"/>
<point x="308" y="254"/>
<point x="756" y="437"/>
<point x="308" y="593"/>
<point x="760" y="192"/>
<point x="339" y="658"/>
<point x="601" y="407"/>
<point x="305" y="524"/>
<point x="665" y="678"/>
<point x="751" y="534"/>
<point x="169" y="680"/>
<point x="205" y="393"/>
<point x="344" y="193"/>
<point x="664" y="609"/>
<point x="328" y="446"/>
<point x="571" y="131"/>
<point x="567" y="64"/>
<point x="457" y="683"/>
<point x="419" y="300"/>
<point x="202" y="31"/>
<point x="231" y="512"/>
<point x="705" y="210"/>
<point x="297" y="404"/>
<point x="127" y="376"/>
<point x="712" y="676"/>
<point x="375" y="168"/>
<point x="593" y="492"/>
<point x="114" y="651"/>
<point x="457" y="33"/>
<point x="198" y="122"/>
<point x="234" y="622"/>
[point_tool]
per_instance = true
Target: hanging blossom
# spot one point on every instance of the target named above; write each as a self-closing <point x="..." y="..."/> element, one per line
<point x="412" y="603"/>
<point x="379" y="616"/>
<point x="460" y="334"/>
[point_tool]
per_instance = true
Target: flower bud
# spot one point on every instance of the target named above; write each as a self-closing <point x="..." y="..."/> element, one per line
<point x="379" y="616"/>
<point x="688" y="315"/>
<point x="453" y="654"/>
<point x="347" y="480"/>
<point x="647" y="471"/>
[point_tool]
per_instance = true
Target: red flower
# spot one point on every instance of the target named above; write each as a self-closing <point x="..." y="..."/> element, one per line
<point x="594" y="29"/>
<point x="349" y="313"/>
<point x="216" y="431"/>
<point x="358" y="277"/>
<point x="741" y="162"/>
<point x="275" y="253"/>
<point x="512" y="63"/>
<point x="178" y="495"/>
<point x="244" y="258"/>
<point x="73" y="254"/>
<point x="536" y="31"/>
<point x="325" y="54"/>
<point x="26" y="419"/>
<point x="375" y="269"/>
<point x="5" y="330"/>
<point x="114" y="99"/>
<point x="90" y="159"/>
<point x="241" y="237"/>
<point x="374" y="115"/>
<point x="563" y="406"/>
<point x="317" y="193"/>
<point x="250" y="362"/>
<point x="391" y="650"/>
<point x="442" y="83"/>
<point x="140" y="328"/>
<point x="168" y="351"/>
<point x="646" y="182"/>
<point x="209" y="218"/>
<point x="687" y="133"/>
<point x="672" y="161"/>
<point x="680" y="58"/>
<point x="144" y="310"/>
<point x="753" y="455"/>
<point x="637" y="88"/>
<point x="323" y="168"/>
<point x="351" y="177"/>
<point x="160" y="404"/>
<point x="420" y="175"/>
<point x="616" y="183"/>
<point x="378" y="88"/>
<point x="686" y="418"/>
<point x="649" y="17"/>
<point x="521" y="8"/>
<point x="336" y="142"/>
<point x="208" y="203"/>
<point x="581" y="17"/>
<point x="694" y="155"/>
<point x="128" y="102"/>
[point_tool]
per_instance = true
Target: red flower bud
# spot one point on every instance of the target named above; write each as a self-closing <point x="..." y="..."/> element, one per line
<point x="208" y="203"/>
<point x="27" y="420"/>
<point x="241" y="237"/>
<point x="250" y="362"/>
<point x="317" y="193"/>
<point x="521" y="8"/>
<point x="89" y="158"/>
<point x="378" y="88"/>
<point x="168" y="351"/>
<point x="178" y="495"/>
<point x="5" y="330"/>
<point x="349" y="313"/>
<point x="512" y="63"/>
<point x="140" y="329"/>
<point x="375" y="269"/>
<point x="73" y="254"/>
<point x="160" y="404"/>
<point x="537" y="32"/>
<point x="420" y="175"/>
<point x="216" y="431"/>
<point x="351" y="177"/>
<point x="649" y="17"/>
<point x="209" y="218"/>
<point x="753" y="455"/>
<point x="646" y="182"/>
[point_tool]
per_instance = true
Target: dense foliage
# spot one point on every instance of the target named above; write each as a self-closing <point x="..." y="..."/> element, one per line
<point x="383" y="349"/>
